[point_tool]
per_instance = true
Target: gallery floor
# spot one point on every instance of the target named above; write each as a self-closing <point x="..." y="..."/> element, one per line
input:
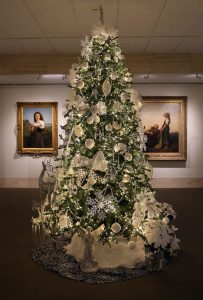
<point x="21" y="278"/>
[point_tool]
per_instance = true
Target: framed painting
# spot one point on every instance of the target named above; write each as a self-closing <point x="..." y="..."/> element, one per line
<point x="164" y="120"/>
<point x="37" y="127"/>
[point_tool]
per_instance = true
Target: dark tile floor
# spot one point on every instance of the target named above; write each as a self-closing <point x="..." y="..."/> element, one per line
<point x="21" y="278"/>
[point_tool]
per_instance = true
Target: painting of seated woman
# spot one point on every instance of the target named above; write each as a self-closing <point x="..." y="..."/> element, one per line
<point x="164" y="123"/>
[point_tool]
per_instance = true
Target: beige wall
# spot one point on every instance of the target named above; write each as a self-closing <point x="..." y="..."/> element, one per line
<point x="13" y="166"/>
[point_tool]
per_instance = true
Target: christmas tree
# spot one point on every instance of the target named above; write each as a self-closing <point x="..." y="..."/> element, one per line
<point x="103" y="196"/>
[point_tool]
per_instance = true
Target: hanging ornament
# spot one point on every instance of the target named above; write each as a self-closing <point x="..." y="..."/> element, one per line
<point x="116" y="227"/>
<point x="120" y="147"/>
<point x="78" y="131"/>
<point x="166" y="220"/>
<point x="90" y="120"/>
<point x="97" y="119"/>
<point x="113" y="75"/>
<point x="99" y="162"/>
<point x="124" y="96"/>
<point x="128" y="156"/>
<point x="126" y="178"/>
<point x="129" y="169"/>
<point x="116" y="125"/>
<point x="106" y="87"/>
<point x="117" y="107"/>
<point x="101" y="107"/>
<point x="89" y="143"/>
<point x="118" y="54"/>
<point x="70" y="171"/>
<point x="80" y="84"/>
<point x="107" y="57"/>
<point x="101" y="40"/>
<point x="149" y="170"/>
<point x="67" y="151"/>
<point x="63" y="221"/>
<point x="85" y="66"/>
<point x="73" y="76"/>
<point x="109" y="127"/>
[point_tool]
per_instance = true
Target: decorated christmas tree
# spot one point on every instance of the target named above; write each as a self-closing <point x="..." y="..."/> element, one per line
<point x="103" y="198"/>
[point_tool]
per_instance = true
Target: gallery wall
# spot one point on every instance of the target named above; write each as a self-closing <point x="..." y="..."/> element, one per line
<point x="14" y="166"/>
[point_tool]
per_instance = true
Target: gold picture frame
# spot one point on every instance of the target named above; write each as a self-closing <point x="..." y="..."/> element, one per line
<point x="164" y="120"/>
<point x="37" y="124"/>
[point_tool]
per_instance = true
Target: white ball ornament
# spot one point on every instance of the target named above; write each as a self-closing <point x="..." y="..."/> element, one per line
<point x="109" y="127"/>
<point x="116" y="227"/>
<point x="128" y="156"/>
<point x="89" y="143"/>
<point x="166" y="220"/>
<point x="80" y="84"/>
<point x="78" y="131"/>
<point x="116" y="125"/>
<point x="126" y="178"/>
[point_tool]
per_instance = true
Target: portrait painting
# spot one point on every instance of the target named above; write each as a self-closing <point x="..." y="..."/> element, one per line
<point x="164" y="124"/>
<point x="37" y="127"/>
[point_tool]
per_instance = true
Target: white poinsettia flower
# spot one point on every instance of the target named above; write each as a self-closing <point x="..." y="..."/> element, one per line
<point x="157" y="233"/>
<point x="124" y="96"/>
<point x="126" y="178"/>
<point x="109" y="127"/>
<point x="80" y="84"/>
<point x="116" y="227"/>
<point x="120" y="147"/>
<point x="116" y="125"/>
<point x="78" y="131"/>
<point x="89" y="143"/>
<point x="128" y="156"/>
<point x="85" y="65"/>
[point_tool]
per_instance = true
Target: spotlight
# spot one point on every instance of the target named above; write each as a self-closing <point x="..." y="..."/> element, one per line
<point x="146" y="76"/>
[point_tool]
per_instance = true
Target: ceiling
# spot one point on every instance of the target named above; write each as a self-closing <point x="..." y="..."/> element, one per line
<point x="57" y="26"/>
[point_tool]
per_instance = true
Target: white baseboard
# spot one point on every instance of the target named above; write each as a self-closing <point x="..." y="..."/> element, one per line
<point x="21" y="182"/>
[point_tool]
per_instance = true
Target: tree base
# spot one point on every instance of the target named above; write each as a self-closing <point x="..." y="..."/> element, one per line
<point x="53" y="258"/>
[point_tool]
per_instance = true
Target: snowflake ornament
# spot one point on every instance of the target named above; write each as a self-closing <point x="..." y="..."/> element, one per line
<point x="101" y="205"/>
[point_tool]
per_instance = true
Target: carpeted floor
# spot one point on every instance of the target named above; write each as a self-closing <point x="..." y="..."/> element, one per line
<point x="21" y="278"/>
